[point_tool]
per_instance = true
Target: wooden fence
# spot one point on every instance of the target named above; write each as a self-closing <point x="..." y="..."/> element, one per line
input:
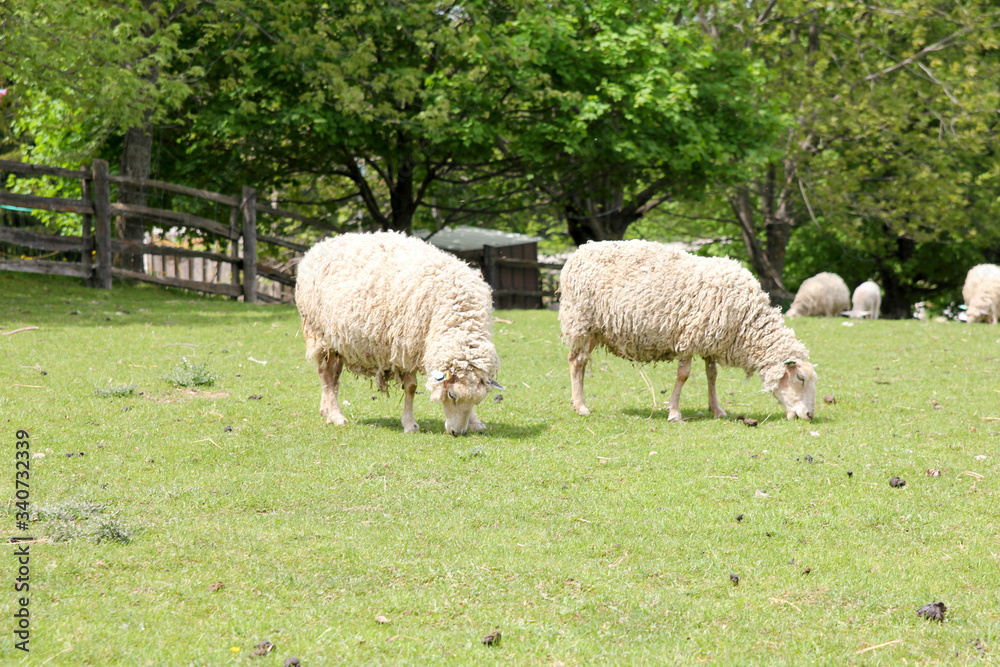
<point x="97" y="247"/>
<point x="234" y="271"/>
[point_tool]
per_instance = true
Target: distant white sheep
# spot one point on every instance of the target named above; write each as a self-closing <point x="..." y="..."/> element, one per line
<point x="823" y="295"/>
<point x="645" y="302"/>
<point x="865" y="302"/>
<point x="982" y="293"/>
<point x="389" y="305"/>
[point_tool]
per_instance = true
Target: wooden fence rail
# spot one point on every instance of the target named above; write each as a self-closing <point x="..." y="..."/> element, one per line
<point x="234" y="270"/>
<point x="97" y="247"/>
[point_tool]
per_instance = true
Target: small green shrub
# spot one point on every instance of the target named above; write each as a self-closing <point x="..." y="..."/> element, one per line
<point x="76" y="520"/>
<point x="110" y="530"/>
<point x="187" y="374"/>
<point x="117" y="391"/>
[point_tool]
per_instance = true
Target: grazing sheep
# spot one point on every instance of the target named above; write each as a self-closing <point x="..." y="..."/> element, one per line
<point x="823" y="295"/>
<point x="982" y="293"/>
<point x="644" y="302"/>
<point x="388" y="305"/>
<point x="866" y="301"/>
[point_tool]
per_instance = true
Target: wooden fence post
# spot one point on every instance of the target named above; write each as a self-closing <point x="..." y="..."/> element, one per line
<point x="102" y="222"/>
<point x="86" y="229"/>
<point x="248" y="204"/>
<point x="490" y="270"/>
<point x="234" y="245"/>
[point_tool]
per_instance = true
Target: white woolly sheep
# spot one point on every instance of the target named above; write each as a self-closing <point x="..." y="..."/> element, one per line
<point x="388" y="305"/>
<point x="982" y="293"/>
<point x="645" y="302"/>
<point x="865" y="302"/>
<point x="823" y="295"/>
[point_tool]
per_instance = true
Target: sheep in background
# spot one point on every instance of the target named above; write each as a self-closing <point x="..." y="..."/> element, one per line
<point x="823" y="295"/>
<point x="388" y="305"/>
<point x="982" y="293"/>
<point x="865" y="302"/>
<point x="644" y="302"/>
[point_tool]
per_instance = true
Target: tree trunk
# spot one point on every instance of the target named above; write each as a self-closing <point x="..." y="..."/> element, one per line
<point x="598" y="211"/>
<point x="896" y="303"/>
<point x="604" y="226"/>
<point x="136" y="158"/>
<point x="401" y="200"/>
<point x="768" y="263"/>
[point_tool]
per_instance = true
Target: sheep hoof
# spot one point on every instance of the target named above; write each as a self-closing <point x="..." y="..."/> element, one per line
<point x="339" y="420"/>
<point x="675" y="417"/>
<point x="411" y="428"/>
<point x="721" y="414"/>
<point x="581" y="410"/>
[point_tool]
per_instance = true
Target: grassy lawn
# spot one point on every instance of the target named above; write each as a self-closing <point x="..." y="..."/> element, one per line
<point x="193" y="522"/>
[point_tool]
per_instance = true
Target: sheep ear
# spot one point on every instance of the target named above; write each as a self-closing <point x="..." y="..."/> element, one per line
<point x="496" y="385"/>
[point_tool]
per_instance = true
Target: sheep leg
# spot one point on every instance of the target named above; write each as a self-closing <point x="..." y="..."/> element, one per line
<point x="674" y="407"/>
<point x="712" y="372"/>
<point x="409" y="389"/>
<point x="329" y="375"/>
<point x="475" y="425"/>
<point x="577" y="366"/>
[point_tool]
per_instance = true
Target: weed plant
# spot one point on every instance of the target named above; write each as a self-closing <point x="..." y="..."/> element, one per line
<point x="188" y="374"/>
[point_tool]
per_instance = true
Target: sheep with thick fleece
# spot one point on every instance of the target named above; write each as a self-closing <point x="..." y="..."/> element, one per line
<point x="389" y="305"/>
<point x="823" y="295"/>
<point x="865" y="302"/>
<point x="982" y="293"/>
<point x="645" y="302"/>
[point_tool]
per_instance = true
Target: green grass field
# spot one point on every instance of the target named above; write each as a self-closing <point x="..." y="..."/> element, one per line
<point x="193" y="522"/>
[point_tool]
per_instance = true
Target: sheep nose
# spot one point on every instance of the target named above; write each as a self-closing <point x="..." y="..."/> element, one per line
<point x="809" y="415"/>
<point x="454" y="433"/>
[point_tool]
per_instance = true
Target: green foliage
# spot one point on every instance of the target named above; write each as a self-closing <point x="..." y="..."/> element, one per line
<point x="890" y="163"/>
<point x="601" y="540"/>
<point x="621" y="87"/>
<point x="110" y="61"/>
<point x="189" y="374"/>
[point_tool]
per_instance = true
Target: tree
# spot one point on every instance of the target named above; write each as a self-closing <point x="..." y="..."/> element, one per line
<point x="394" y="99"/>
<point x="452" y="113"/>
<point x="100" y="64"/>
<point x="628" y="107"/>
<point x="890" y="148"/>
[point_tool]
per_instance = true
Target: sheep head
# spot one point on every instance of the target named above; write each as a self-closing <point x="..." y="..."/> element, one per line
<point x="459" y="392"/>
<point x="980" y="313"/>
<point x="793" y="383"/>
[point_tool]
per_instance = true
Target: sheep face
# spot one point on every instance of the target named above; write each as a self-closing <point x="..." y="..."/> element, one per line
<point x="458" y="395"/>
<point x="797" y="389"/>
<point x="974" y="314"/>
